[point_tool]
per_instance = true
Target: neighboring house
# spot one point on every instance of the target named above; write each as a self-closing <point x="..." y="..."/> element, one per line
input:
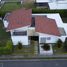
<point x="23" y="26"/>
<point x="53" y="4"/>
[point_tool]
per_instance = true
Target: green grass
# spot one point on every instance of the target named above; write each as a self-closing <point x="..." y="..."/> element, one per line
<point x="11" y="6"/>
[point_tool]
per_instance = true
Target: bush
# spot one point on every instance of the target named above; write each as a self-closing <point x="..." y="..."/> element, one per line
<point x="63" y="13"/>
<point x="59" y="43"/>
<point x="46" y="47"/>
<point x="8" y="49"/>
<point x="19" y="45"/>
<point x="9" y="46"/>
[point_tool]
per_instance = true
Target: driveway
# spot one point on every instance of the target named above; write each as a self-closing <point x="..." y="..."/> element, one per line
<point x="33" y="63"/>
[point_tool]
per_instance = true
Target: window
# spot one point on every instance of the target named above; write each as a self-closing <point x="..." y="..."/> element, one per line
<point x="20" y="33"/>
<point x="42" y="40"/>
<point x="48" y="38"/>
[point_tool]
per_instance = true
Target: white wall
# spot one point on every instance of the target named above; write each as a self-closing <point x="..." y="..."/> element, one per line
<point x="63" y="38"/>
<point x="43" y="52"/>
<point x="22" y="39"/>
<point x="58" y="5"/>
<point x="52" y="40"/>
<point x="41" y="1"/>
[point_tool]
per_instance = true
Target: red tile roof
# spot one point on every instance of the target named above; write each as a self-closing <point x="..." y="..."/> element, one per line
<point x="46" y="25"/>
<point x="19" y="18"/>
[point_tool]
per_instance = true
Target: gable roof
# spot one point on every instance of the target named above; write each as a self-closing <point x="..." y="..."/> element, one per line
<point x="46" y="25"/>
<point x="19" y="18"/>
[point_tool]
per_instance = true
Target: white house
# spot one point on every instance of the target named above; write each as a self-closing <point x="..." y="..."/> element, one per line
<point x="44" y="28"/>
<point x="54" y="4"/>
<point x="22" y="24"/>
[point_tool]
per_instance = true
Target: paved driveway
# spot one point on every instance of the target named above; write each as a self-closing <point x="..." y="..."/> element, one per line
<point x="34" y="63"/>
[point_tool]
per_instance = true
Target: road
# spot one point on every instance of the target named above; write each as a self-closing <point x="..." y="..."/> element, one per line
<point x="33" y="63"/>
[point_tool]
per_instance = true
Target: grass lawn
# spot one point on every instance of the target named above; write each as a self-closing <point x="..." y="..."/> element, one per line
<point x="11" y="6"/>
<point x="4" y="36"/>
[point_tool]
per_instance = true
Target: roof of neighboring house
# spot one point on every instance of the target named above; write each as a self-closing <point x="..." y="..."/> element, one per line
<point x="41" y="1"/>
<point x="19" y="18"/>
<point x="46" y="25"/>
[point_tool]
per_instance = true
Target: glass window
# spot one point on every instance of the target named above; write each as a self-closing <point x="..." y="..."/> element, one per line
<point x="48" y="38"/>
<point x="20" y="33"/>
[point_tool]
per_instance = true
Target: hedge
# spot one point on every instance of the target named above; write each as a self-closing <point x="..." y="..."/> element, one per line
<point x="63" y="13"/>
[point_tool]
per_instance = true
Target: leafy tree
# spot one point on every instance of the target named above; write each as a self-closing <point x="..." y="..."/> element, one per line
<point x="46" y="47"/>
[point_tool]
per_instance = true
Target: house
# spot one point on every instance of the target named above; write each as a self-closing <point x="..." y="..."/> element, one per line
<point x="53" y="4"/>
<point x="25" y="26"/>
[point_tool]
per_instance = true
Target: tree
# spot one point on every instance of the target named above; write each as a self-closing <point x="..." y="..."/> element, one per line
<point x="46" y="47"/>
<point x="65" y="44"/>
<point x="59" y="43"/>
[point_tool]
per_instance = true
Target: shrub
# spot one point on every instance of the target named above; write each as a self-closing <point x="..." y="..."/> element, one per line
<point x="9" y="46"/>
<point x="19" y="45"/>
<point x="46" y="47"/>
<point x="8" y="49"/>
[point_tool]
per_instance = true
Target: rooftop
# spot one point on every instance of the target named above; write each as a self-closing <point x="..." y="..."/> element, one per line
<point x="46" y="25"/>
<point x="19" y="18"/>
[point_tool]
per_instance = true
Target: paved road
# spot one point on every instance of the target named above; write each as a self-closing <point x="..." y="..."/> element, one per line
<point x="34" y="63"/>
